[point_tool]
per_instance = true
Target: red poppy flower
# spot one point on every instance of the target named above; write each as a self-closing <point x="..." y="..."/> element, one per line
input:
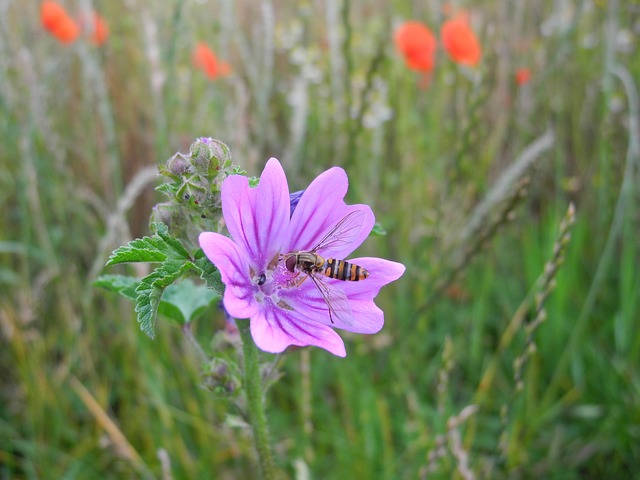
<point x="58" y="22"/>
<point x="460" y="42"/>
<point x="206" y="60"/>
<point x="523" y="75"/>
<point x="418" y="46"/>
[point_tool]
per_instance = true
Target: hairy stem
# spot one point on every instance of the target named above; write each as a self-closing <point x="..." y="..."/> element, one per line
<point x="255" y="401"/>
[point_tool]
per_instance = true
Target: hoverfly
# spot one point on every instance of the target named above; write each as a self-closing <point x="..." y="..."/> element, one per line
<point x="317" y="268"/>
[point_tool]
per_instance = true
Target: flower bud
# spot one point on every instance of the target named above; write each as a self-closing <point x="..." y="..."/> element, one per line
<point x="209" y="155"/>
<point x="163" y="213"/>
<point x="178" y="164"/>
<point x="221" y="377"/>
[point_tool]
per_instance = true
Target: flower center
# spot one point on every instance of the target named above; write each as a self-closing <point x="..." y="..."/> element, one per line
<point x="272" y="281"/>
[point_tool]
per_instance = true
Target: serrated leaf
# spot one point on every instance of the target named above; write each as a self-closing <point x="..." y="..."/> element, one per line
<point x="122" y="284"/>
<point x="209" y="273"/>
<point x="140" y="250"/>
<point x="182" y="302"/>
<point x="167" y="188"/>
<point x="159" y="228"/>
<point x="177" y="250"/>
<point x="149" y="292"/>
<point x="158" y="248"/>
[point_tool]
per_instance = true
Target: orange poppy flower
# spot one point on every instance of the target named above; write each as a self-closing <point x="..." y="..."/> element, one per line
<point x="206" y="60"/>
<point x="460" y="42"/>
<point x="418" y="46"/>
<point x="50" y="14"/>
<point x="58" y="22"/>
<point x="523" y="75"/>
<point x="98" y="28"/>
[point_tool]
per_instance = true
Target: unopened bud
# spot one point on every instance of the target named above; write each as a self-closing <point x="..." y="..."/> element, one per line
<point x="209" y="155"/>
<point x="220" y="377"/>
<point x="163" y="213"/>
<point x="178" y="164"/>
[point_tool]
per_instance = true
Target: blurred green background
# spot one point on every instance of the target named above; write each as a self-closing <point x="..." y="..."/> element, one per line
<point x="497" y="359"/>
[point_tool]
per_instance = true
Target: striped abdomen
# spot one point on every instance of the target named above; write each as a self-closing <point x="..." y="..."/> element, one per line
<point x="342" y="270"/>
<point x="311" y="263"/>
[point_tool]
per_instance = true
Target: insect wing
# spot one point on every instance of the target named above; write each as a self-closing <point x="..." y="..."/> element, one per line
<point x="344" y="233"/>
<point x="336" y="300"/>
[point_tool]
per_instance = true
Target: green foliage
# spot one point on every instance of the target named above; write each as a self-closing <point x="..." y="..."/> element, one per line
<point x="159" y="248"/>
<point x="149" y="292"/>
<point x="208" y="272"/>
<point x="187" y="301"/>
<point x="378" y="230"/>
<point x="183" y="302"/>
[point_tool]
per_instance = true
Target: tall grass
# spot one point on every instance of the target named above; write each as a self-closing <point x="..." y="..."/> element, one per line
<point x="464" y="381"/>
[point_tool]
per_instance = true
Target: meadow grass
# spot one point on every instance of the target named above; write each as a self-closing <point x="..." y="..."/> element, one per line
<point x="458" y="384"/>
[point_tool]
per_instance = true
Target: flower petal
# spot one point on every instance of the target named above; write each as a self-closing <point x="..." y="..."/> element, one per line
<point x="307" y="302"/>
<point x="320" y="209"/>
<point x="257" y="218"/>
<point x="274" y="329"/>
<point x="234" y="268"/>
<point x="381" y="273"/>
<point x="367" y="317"/>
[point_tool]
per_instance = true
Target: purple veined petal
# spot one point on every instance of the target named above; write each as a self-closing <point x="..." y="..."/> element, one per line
<point x="274" y="329"/>
<point x="309" y="303"/>
<point x="258" y="218"/>
<point x="340" y="235"/>
<point x="234" y="268"/>
<point x="381" y="273"/>
<point x="367" y="316"/>
<point x="320" y="209"/>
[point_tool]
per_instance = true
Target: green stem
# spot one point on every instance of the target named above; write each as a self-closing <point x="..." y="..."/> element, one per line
<point x="188" y="334"/>
<point x="255" y="400"/>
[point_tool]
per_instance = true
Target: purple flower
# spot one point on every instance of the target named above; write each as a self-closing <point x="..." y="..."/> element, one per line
<point x="285" y="307"/>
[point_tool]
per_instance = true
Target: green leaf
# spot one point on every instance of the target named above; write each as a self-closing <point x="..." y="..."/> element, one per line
<point x="188" y="300"/>
<point x="378" y="230"/>
<point x="121" y="284"/>
<point x="149" y="292"/>
<point x="167" y="188"/>
<point x="253" y="181"/>
<point x="176" y="249"/>
<point x="181" y="302"/>
<point x="208" y="272"/>
<point x="158" y="248"/>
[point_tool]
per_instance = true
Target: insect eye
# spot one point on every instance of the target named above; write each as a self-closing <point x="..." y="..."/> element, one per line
<point x="290" y="263"/>
<point x="262" y="279"/>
